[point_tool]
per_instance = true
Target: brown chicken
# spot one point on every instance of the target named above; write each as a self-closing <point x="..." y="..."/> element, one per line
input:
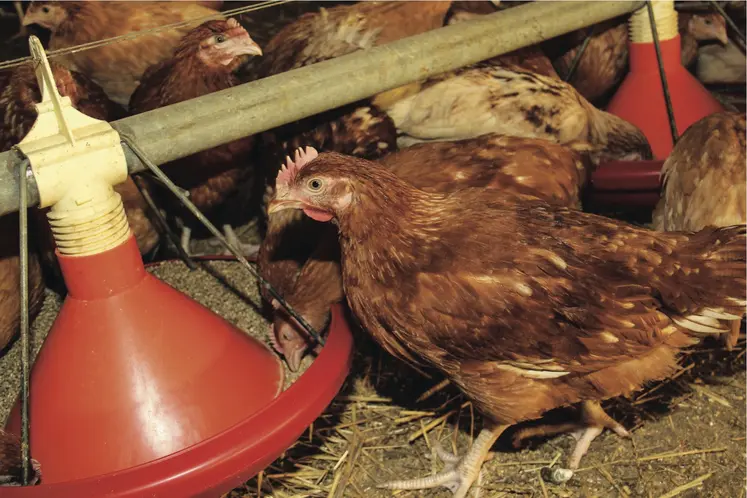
<point x="205" y="61"/>
<point x="20" y="92"/>
<point x="604" y="63"/>
<point x="11" y="465"/>
<point x="523" y="166"/>
<point x="356" y="129"/>
<point x="704" y="181"/>
<point x="497" y="98"/>
<point x="525" y="306"/>
<point x="118" y="66"/>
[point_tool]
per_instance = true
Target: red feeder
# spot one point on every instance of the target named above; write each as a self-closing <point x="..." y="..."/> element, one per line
<point x="139" y="390"/>
<point x="640" y="98"/>
<point x="134" y="370"/>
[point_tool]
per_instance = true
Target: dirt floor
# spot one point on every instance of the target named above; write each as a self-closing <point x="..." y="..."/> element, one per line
<point x="688" y="439"/>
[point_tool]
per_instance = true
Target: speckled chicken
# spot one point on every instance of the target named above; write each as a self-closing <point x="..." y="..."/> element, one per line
<point x="704" y="181"/>
<point x="19" y="94"/>
<point x="511" y="165"/>
<point x="118" y="66"/>
<point x="205" y="61"/>
<point x="493" y="97"/>
<point x="525" y="306"/>
<point x="605" y="60"/>
<point x="11" y="465"/>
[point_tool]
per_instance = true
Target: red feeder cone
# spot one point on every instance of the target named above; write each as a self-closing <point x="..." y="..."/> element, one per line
<point x="640" y="98"/>
<point x="133" y="370"/>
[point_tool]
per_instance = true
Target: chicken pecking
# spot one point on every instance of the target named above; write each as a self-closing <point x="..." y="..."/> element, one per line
<point x="117" y="66"/>
<point x="704" y="181"/>
<point x="525" y="306"/>
<point x="205" y="61"/>
<point x="511" y="165"/>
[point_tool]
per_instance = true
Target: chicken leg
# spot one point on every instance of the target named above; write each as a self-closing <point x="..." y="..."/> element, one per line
<point x="246" y="250"/>
<point x="593" y="421"/>
<point x="459" y="473"/>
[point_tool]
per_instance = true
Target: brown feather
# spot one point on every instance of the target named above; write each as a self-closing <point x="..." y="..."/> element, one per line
<point x="524" y="305"/>
<point x="509" y="165"/>
<point x="704" y="181"/>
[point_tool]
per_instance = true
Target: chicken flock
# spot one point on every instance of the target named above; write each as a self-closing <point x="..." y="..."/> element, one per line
<point x="447" y="213"/>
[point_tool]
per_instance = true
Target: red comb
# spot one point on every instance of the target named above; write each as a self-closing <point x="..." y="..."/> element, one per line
<point x="290" y="169"/>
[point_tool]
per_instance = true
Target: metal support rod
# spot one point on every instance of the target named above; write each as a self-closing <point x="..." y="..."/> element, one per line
<point x="182" y="129"/>
<point x="216" y="233"/>
<point x="23" y="261"/>
<point x="662" y="73"/>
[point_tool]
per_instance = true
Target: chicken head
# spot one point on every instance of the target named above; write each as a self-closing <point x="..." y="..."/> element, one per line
<point x="48" y="15"/>
<point x="319" y="197"/>
<point x="708" y="27"/>
<point x="225" y="43"/>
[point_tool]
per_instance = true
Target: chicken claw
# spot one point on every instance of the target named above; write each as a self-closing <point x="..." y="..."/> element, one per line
<point x="459" y="473"/>
<point x="247" y="250"/>
<point x="594" y="421"/>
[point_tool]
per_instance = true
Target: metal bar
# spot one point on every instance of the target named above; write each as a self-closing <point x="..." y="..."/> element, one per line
<point x="179" y="130"/>
<point x="216" y="233"/>
<point x="23" y="261"/>
<point x="662" y="73"/>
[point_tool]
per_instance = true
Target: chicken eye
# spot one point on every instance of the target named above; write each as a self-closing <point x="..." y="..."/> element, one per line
<point x="315" y="184"/>
<point x="220" y="38"/>
<point x="708" y="22"/>
<point x="45" y="9"/>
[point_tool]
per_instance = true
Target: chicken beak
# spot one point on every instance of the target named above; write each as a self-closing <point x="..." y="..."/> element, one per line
<point x="277" y="205"/>
<point x="293" y="359"/>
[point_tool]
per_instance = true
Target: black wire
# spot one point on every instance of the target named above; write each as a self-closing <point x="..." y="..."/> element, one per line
<point x="201" y="217"/>
<point x="662" y="73"/>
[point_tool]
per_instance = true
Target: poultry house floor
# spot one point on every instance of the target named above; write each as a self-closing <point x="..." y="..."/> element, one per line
<point x="688" y="439"/>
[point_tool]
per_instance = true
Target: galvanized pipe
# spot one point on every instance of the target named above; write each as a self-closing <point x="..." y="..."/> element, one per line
<point x="182" y="129"/>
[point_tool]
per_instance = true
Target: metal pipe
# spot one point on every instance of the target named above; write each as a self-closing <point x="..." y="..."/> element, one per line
<point x="178" y="130"/>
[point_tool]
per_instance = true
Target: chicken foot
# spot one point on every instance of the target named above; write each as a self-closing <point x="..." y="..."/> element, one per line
<point x="593" y="422"/>
<point x="459" y="473"/>
<point x="246" y="250"/>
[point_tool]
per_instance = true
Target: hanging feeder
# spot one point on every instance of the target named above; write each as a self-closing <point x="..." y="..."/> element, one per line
<point x="138" y="388"/>
<point x="660" y="97"/>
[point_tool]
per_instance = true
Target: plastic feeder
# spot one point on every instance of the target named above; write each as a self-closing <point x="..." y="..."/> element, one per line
<point x="631" y="184"/>
<point x="222" y="462"/>
<point x="138" y="389"/>
<point x="640" y="98"/>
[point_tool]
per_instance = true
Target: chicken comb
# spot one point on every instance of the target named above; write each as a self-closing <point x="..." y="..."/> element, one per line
<point x="290" y="169"/>
<point x="232" y="23"/>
